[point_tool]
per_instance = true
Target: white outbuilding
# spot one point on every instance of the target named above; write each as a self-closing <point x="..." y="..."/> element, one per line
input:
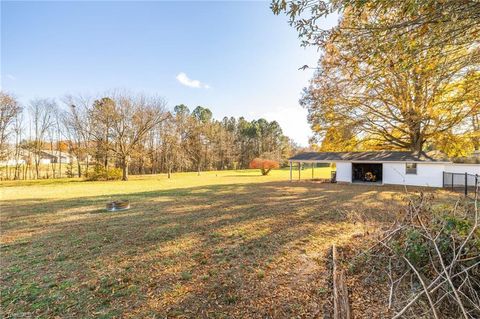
<point x="390" y="167"/>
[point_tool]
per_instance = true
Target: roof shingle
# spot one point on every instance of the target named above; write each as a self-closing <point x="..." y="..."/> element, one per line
<point x="373" y="156"/>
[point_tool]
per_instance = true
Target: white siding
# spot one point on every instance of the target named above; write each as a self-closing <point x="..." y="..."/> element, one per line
<point x="344" y="172"/>
<point x="12" y="162"/>
<point x="428" y="174"/>
<point x="66" y="160"/>
<point x="463" y="168"/>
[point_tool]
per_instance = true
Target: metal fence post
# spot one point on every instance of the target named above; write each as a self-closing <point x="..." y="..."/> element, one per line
<point x="476" y="184"/>
<point x="290" y="171"/>
<point x="466" y="184"/>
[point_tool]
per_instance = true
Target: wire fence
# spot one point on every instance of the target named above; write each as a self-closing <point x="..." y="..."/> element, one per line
<point x="464" y="182"/>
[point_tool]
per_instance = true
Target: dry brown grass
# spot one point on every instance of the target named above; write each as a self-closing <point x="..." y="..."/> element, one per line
<point x="249" y="248"/>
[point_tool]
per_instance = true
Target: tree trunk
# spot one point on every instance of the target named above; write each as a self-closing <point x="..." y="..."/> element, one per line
<point x="265" y="171"/>
<point x="417" y="145"/>
<point x="124" y="169"/>
<point x="105" y="163"/>
<point x="37" y="169"/>
<point x="53" y="161"/>
<point x="79" y="168"/>
<point x="87" y="166"/>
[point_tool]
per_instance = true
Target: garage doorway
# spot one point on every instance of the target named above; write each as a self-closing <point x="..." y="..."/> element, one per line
<point x="367" y="173"/>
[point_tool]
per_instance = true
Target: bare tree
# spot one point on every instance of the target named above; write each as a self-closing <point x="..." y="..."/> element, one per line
<point x="101" y="115"/>
<point x="77" y="123"/>
<point x="9" y="109"/>
<point x="18" y="135"/>
<point x="133" y="118"/>
<point x="41" y="112"/>
<point x="171" y="144"/>
<point x="137" y="134"/>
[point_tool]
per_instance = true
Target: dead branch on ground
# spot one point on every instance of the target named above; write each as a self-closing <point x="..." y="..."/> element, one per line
<point x="431" y="258"/>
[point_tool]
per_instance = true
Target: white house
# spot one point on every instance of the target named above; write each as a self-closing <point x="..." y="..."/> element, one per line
<point x="387" y="167"/>
<point x="55" y="157"/>
<point x="44" y="157"/>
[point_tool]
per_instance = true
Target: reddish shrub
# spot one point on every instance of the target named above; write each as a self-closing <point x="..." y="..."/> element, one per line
<point x="265" y="165"/>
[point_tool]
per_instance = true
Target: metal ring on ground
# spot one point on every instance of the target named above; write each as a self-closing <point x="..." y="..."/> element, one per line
<point x="118" y="205"/>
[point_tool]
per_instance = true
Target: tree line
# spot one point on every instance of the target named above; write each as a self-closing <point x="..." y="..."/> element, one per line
<point x="134" y="133"/>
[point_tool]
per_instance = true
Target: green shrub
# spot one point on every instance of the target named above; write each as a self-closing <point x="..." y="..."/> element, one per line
<point x="99" y="173"/>
<point x="415" y="248"/>
<point x="458" y="225"/>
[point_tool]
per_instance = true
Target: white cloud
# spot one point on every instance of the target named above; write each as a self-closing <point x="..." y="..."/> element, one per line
<point x="185" y="80"/>
<point x="11" y="77"/>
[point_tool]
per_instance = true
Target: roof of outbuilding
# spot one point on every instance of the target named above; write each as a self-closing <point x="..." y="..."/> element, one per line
<point x="374" y="156"/>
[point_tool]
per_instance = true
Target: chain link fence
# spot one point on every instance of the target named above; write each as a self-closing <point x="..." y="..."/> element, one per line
<point x="463" y="182"/>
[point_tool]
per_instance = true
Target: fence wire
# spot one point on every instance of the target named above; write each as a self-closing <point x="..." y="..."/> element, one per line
<point x="467" y="183"/>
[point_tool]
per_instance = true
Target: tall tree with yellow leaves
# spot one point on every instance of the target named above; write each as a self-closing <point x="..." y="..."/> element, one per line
<point x="402" y="96"/>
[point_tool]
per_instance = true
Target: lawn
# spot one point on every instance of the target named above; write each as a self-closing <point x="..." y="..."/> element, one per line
<point x="230" y="244"/>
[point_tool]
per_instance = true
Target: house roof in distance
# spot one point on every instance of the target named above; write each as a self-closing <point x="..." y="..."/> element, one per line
<point x="373" y="156"/>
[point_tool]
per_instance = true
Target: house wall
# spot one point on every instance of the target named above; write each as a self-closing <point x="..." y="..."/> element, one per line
<point x="428" y="174"/>
<point x="463" y="168"/>
<point x="12" y="162"/>
<point x="66" y="160"/>
<point x="344" y="172"/>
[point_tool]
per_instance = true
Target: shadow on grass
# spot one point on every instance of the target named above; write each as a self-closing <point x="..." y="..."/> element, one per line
<point x="242" y="175"/>
<point x="238" y="250"/>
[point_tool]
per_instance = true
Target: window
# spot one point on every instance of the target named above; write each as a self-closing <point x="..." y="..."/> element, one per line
<point x="411" y="168"/>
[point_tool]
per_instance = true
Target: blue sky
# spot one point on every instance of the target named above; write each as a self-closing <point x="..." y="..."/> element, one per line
<point x="235" y="58"/>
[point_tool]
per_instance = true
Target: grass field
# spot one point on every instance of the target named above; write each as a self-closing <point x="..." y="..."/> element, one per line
<point x="230" y="244"/>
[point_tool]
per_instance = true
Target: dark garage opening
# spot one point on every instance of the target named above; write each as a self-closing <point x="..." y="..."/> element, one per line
<point x="367" y="173"/>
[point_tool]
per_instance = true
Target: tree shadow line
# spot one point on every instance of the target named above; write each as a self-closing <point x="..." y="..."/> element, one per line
<point x="83" y="249"/>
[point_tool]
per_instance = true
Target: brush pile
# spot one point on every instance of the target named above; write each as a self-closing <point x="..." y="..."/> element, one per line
<point x="430" y="259"/>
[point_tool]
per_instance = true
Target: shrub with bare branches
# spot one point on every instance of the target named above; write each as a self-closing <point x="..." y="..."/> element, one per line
<point x="431" y="257"/>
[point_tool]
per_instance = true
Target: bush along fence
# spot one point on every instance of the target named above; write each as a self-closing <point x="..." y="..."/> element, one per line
<point x="468" y="183"/>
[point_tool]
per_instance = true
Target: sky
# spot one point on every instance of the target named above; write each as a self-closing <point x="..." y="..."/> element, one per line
<point x="236" y="58"/>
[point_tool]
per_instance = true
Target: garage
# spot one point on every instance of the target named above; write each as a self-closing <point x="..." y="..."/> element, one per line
<point x="385" y="167"/>
<point x="367" y="172"/>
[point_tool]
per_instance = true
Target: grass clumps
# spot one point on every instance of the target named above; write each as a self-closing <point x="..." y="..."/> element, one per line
<point x="190" y="245"/>
<point x="185" y="275"/>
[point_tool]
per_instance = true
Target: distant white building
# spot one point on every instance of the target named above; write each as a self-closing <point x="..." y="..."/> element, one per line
<point x="45" y="157"/>
<point x="55" y="157"/>
<point x="13" y="162"/>
<point x="386" y="167"/>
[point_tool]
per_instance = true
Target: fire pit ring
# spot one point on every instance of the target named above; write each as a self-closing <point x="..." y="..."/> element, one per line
<point x="117" y="205"/>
